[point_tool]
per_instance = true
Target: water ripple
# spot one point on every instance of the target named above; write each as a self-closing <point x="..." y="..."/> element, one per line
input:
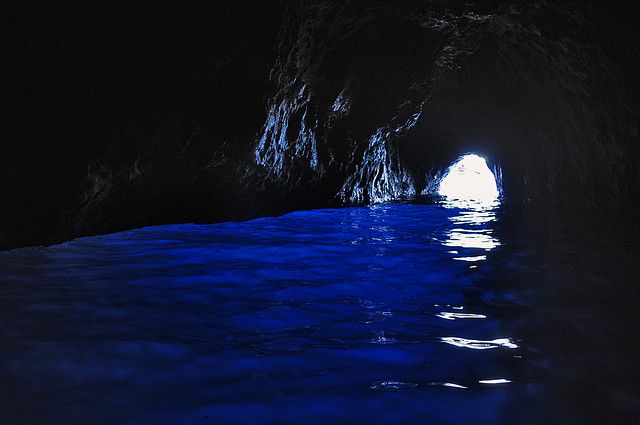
<point x="494" y="381"/>
<point x="447" y="384"/>
<point x="455" y="316"/>
<point x="477" y="344"/>
<point x="393" y="385"/>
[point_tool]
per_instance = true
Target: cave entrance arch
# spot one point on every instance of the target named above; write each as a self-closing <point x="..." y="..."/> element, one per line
<point x="470" y="180"/>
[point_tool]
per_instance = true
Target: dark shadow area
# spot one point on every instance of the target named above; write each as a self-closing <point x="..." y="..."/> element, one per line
<point x="125" y="117"/>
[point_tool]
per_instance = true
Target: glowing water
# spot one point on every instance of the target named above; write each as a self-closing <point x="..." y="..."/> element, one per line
<point x="404" y="313"/>
<point x="337" y="314"/>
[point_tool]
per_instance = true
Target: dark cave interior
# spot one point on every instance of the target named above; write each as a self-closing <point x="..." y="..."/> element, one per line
<point x="124" y="118"/>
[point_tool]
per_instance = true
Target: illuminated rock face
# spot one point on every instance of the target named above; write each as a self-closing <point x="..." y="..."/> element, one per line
<point x="435" y="81"/>
<point x="311" y="104"/>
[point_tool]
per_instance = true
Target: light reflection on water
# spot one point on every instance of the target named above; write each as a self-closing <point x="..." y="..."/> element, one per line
<point x="473" y="227"/>
<point x="457" y="316"/>
<point x="479" y="345"/>
<point x="306" y="315"/>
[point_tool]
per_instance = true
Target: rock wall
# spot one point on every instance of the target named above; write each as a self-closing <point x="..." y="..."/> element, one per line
<point x="234" y="109"/>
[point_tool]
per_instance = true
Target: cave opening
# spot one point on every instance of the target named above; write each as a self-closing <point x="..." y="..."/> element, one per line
<point x="470" y="181"/>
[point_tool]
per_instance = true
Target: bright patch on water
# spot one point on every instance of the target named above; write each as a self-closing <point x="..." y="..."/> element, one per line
<point x="448" y="384"/>
<point x="494" y="381"/>
<point x="478" y="344"/>
<point x="457" y="316"/>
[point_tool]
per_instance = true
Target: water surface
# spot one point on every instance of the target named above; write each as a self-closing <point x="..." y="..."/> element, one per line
<point x="403" y="314"/>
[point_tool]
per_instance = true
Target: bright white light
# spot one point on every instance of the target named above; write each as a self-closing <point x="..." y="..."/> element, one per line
<point x="447" y="384"/>
<point x="463" y="238"/>
<point x="456" y="316"/>
<point x="469" y="179"/>
<point x="477" y="344"/>
<point x="494" y="381"/>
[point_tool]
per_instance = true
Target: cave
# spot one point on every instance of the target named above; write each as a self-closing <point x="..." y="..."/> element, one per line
<point x="240" y="212"/>
<point x="469" y="179"/>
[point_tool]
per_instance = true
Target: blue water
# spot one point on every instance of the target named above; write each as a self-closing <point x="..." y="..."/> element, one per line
<point x="392" y="314"/>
